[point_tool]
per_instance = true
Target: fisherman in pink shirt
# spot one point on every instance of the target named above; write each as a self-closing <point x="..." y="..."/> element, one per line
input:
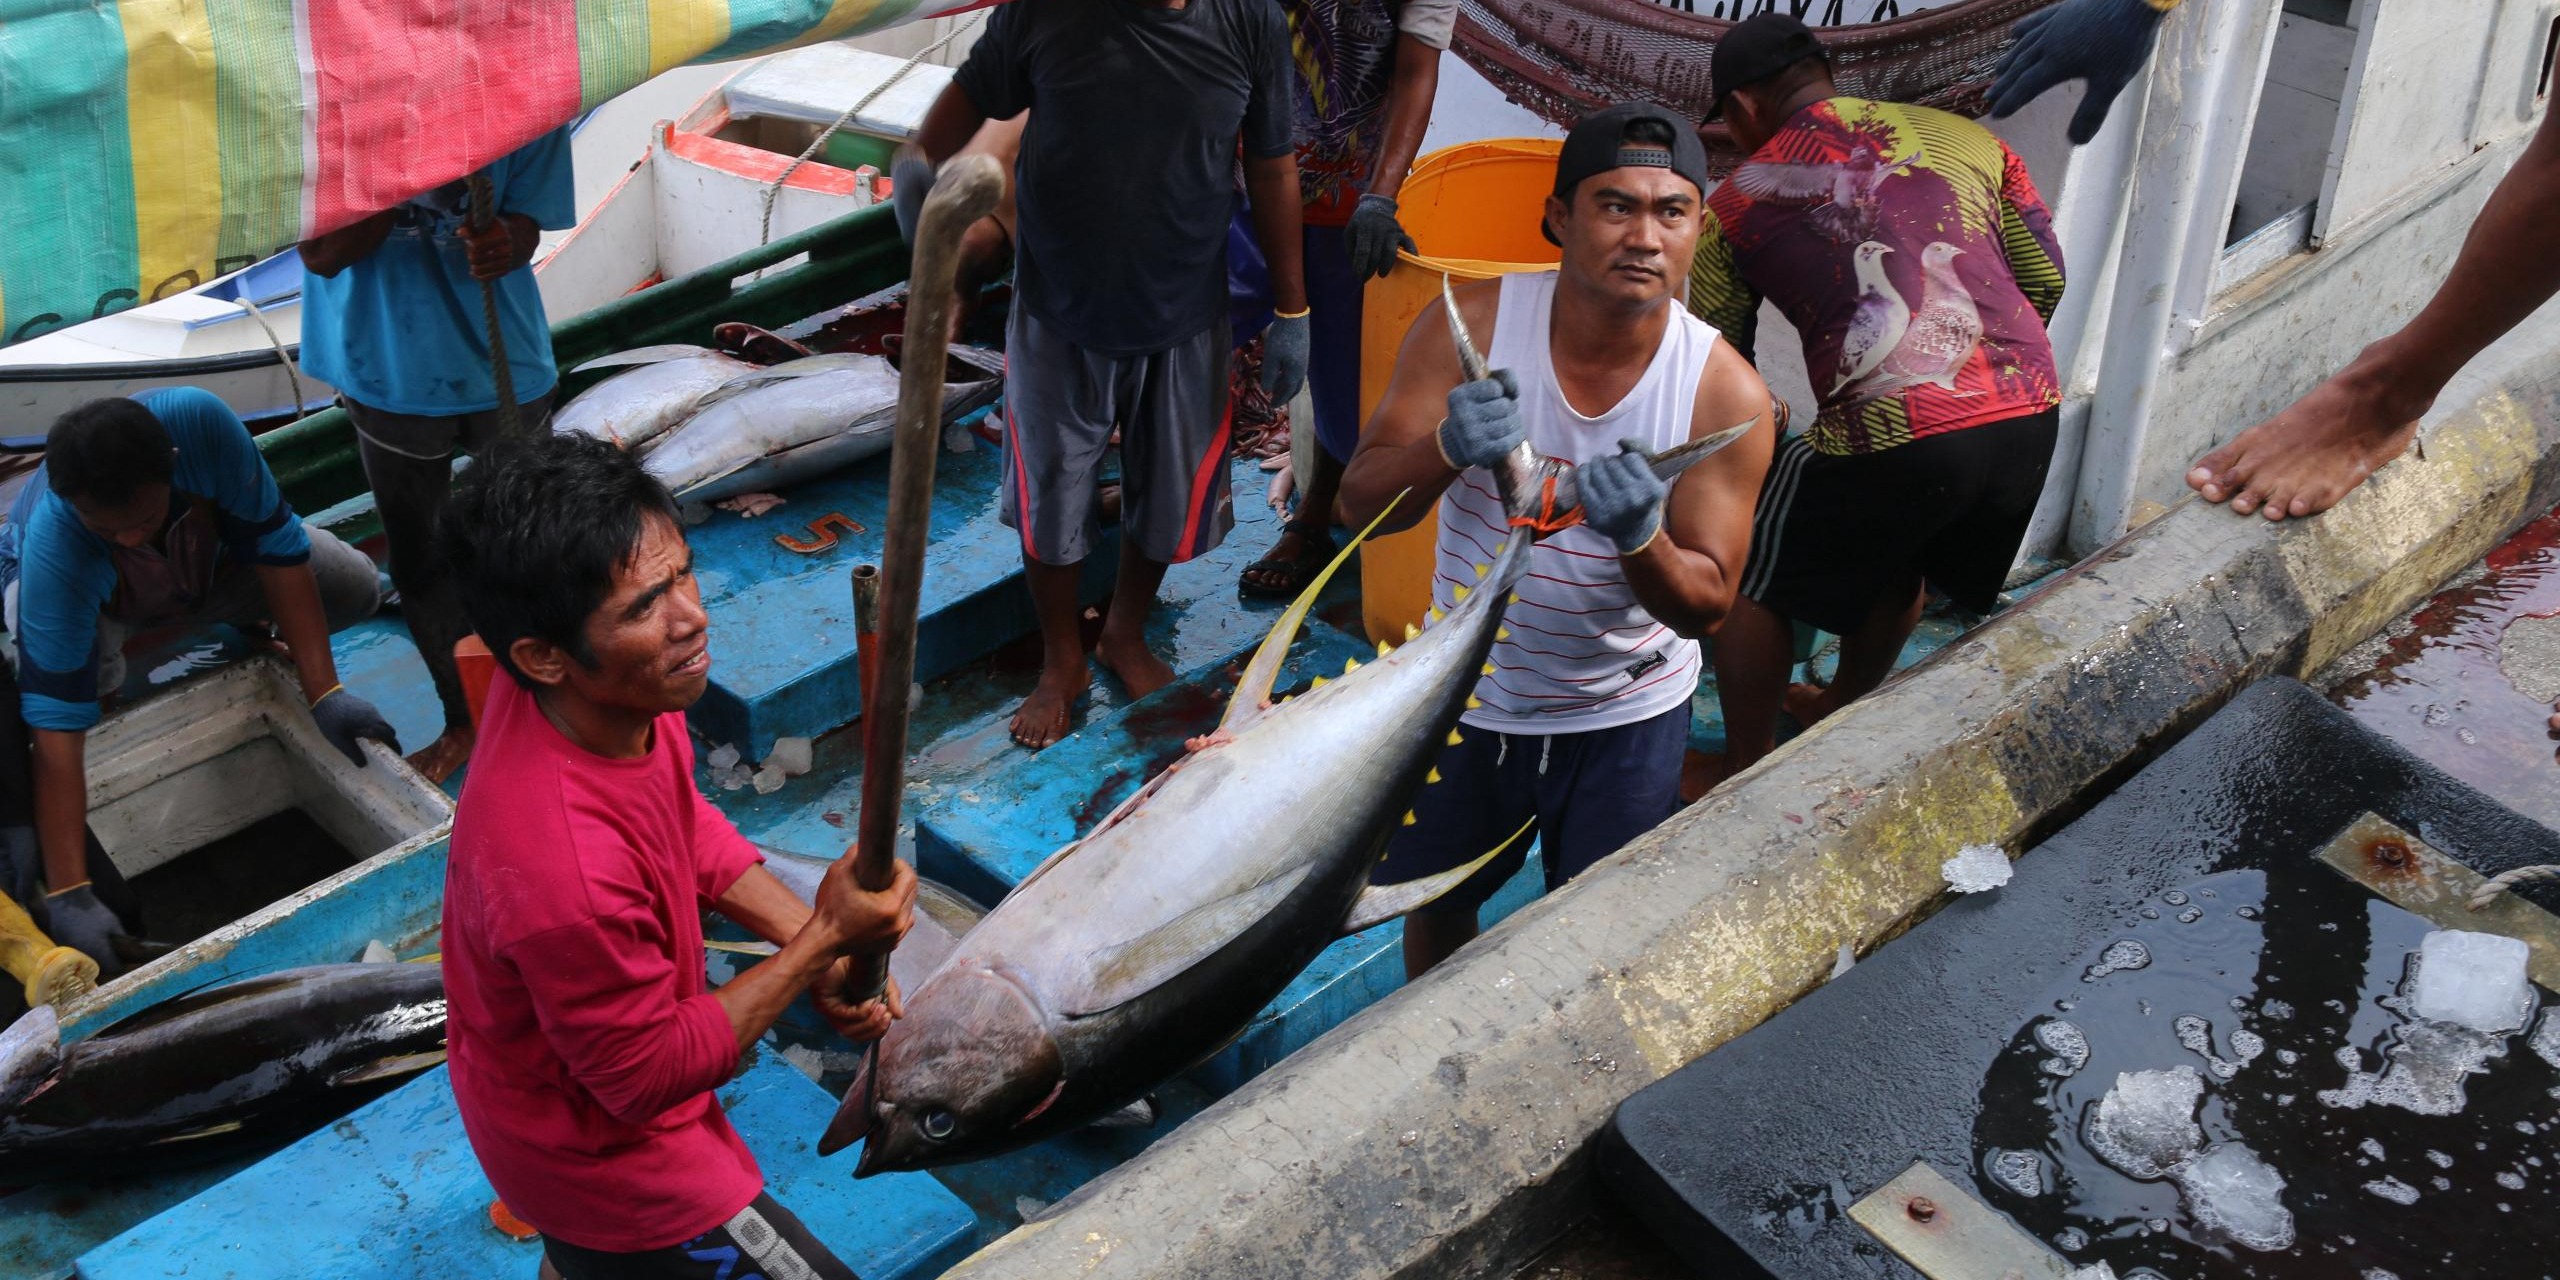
<point x="585" y="1045"/>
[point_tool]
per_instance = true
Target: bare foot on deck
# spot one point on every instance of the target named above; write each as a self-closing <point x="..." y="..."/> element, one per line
<point x="1137" y="667"/>
<point x="2303" y="460"/>
<point x="1049" y="712"/>
<point x="1809" y="703"/>
<point x="444" y="755"/>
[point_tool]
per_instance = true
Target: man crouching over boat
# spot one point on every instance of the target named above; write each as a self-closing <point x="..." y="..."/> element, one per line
<point x="584" y="1046"/>
<point x="1584" y="709"/>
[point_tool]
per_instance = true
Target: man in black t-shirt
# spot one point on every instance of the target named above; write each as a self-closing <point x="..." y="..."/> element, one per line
<point x="1140" y="111"/>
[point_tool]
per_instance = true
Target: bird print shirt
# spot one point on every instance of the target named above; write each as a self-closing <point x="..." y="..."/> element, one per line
<point x="1910" y="250"/>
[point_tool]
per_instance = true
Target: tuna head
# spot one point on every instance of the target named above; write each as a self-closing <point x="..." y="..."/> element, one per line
<point x="955" y="1079"/>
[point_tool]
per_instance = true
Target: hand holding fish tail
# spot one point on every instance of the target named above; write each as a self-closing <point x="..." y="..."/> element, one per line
<point x="1622" y="498"/>
<point x="1483" y="426"/>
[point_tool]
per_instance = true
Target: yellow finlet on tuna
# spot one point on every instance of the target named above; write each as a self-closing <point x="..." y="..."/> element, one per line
<point x="1482" y="570"/>
<point x="1409" y="819"/>
<point x="1458" y="592"/>
<point x="1411" y="631"/>
<point x="1382" y="649"/>
<point x="1433" y="776"/>
<point x="1433" y="613"/>
<point x="1350" y="665"/>
<point x="1454" y="739"/>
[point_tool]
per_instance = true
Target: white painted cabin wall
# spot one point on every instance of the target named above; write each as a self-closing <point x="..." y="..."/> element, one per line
<point x="2224" y="354"/>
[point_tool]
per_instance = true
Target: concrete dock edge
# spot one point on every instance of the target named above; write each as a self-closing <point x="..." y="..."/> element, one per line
<point x="1445" y="1130"/>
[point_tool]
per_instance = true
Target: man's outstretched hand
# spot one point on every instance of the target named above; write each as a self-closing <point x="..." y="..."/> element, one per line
<point x="2102" y="42"/>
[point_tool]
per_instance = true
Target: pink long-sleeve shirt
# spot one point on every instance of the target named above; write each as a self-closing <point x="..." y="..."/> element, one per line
<point x="584" y="1047"/>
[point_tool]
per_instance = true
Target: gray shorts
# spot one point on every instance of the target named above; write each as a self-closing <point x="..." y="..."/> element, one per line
<point x="350" y="592"/>
<point x="1061" y="403"/>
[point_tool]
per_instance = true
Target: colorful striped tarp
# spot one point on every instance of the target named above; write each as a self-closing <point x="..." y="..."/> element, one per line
<point x="147" y="146"/>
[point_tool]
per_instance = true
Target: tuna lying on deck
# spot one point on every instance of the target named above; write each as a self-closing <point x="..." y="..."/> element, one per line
<point x="214" y="1071"/>
<point x="712" y="427"/>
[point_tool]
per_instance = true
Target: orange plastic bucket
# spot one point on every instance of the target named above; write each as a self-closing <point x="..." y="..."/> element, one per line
<point x="1474" y="209"/>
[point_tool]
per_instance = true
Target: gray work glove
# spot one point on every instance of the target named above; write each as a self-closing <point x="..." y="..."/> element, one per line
<point x="21" y="864"/>
<point x="76" y="919"/>
<point x="2100" y="41"/>
<point x="1284" y="357"/>
<point x="1483" y="422"/>
<point x="343" y="718"/>
<point x="1621" y="497"/>
<point x="910" y="181"/>
<point x="1374" y="236"/>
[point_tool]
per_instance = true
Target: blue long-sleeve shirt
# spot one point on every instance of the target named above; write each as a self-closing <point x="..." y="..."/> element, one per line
<point x="65" y="574"/>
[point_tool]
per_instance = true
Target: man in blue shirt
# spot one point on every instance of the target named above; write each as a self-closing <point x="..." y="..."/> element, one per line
<point x="392" y="317"/>
<point x="152" y="512"/>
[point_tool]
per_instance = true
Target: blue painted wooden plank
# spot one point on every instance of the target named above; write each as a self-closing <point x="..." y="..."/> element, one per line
<point x="393" y="1190"/>
<point x="988" y="832"/>
<point x="43" y="1230"/>
<point x="782" y="644"/>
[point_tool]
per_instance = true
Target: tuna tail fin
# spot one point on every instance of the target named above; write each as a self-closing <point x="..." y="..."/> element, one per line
<point x="1254" y="687"/>
<point x="1380" y="903"/>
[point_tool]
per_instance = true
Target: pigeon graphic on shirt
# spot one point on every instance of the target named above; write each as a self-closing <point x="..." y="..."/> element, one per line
<point x="1937" y="342"/>
<point x="1877" y="324"/>
<point x="1842" y="192"/>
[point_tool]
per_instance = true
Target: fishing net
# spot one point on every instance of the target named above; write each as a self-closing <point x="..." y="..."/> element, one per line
<point x="1563" y="59"/>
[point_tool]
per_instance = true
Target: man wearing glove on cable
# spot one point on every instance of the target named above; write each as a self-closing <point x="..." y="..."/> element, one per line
<point x="154" y="512"/>
<point x="1120" y="302"/>
<point x="1585" y="708"/>
<point x="1368" y="70"/>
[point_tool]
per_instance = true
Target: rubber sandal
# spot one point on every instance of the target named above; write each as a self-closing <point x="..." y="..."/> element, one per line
<point x="1315" y="551"/>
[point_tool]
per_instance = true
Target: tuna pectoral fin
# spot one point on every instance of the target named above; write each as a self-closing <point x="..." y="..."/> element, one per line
<point x="1128" y="970"/>
<point x="387" y="1068"/>
<point x="1383" y="902"/>
<point x="1254" y="687"/>
<point x="644" y="355"/>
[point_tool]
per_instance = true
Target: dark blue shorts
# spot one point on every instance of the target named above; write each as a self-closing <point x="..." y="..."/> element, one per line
<point x="1590" y="794"/>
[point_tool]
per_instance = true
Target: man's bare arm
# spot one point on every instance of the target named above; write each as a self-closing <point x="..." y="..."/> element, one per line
<point x="1687" y="577"/>
<point x="1400" y="450"/>
<point x="335" y="251"/>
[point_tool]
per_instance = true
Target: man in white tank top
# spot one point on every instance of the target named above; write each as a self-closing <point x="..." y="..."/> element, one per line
<point x="1584" y="714"/>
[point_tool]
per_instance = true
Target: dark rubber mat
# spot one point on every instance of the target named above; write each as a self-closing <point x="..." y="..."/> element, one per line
<point x="2266" y="974"/>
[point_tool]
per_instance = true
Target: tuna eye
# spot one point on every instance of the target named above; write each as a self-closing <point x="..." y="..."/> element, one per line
<point x="938" y="1124"/>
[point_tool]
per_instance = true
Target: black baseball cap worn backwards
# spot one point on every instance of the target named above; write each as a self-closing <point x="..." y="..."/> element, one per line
<point x="1598" y="144"/>
<point x="1755" y="49"/>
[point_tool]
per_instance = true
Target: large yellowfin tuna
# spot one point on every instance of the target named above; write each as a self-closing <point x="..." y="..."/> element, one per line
<point x="1139" y="949"/>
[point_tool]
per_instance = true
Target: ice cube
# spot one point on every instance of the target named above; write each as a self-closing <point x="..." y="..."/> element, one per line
<point x="2069" y="1047"/>
<point x="722" y="757"/>
<point x="1976" y="868"/>
<point x="2423" y="1071"/>
<point x="2234" y="1194"/>
<point x="2475" y="980"/>
<point x="790" y="755"/>
<point x="767" y="780"/>
<point x="2147" y="1123"/>
<point x="2019" y="1171"/>
<point x="2546" y="1037"/>
<point x="375" y="952"/>
<point x="2370" y="1148"/>
<point x="2393" y="1190"/>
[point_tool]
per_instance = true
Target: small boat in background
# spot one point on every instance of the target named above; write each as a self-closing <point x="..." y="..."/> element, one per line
<point x="698" y="196"/>
<point x="232" y="337"/>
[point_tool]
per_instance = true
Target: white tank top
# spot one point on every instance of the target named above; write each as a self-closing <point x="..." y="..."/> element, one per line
<point x="1582" y="654"/>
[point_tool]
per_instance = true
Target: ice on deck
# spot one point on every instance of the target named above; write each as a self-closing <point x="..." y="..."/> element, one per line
<point x="2147" y="1123"/>
<point x="2475" y="980"/>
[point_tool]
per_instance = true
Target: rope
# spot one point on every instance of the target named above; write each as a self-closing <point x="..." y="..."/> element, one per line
<point x="773" y="190"/>
<point x="482" y="214"/>
<point x="2504" y="881"/>
<point x="292" y="375"/>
